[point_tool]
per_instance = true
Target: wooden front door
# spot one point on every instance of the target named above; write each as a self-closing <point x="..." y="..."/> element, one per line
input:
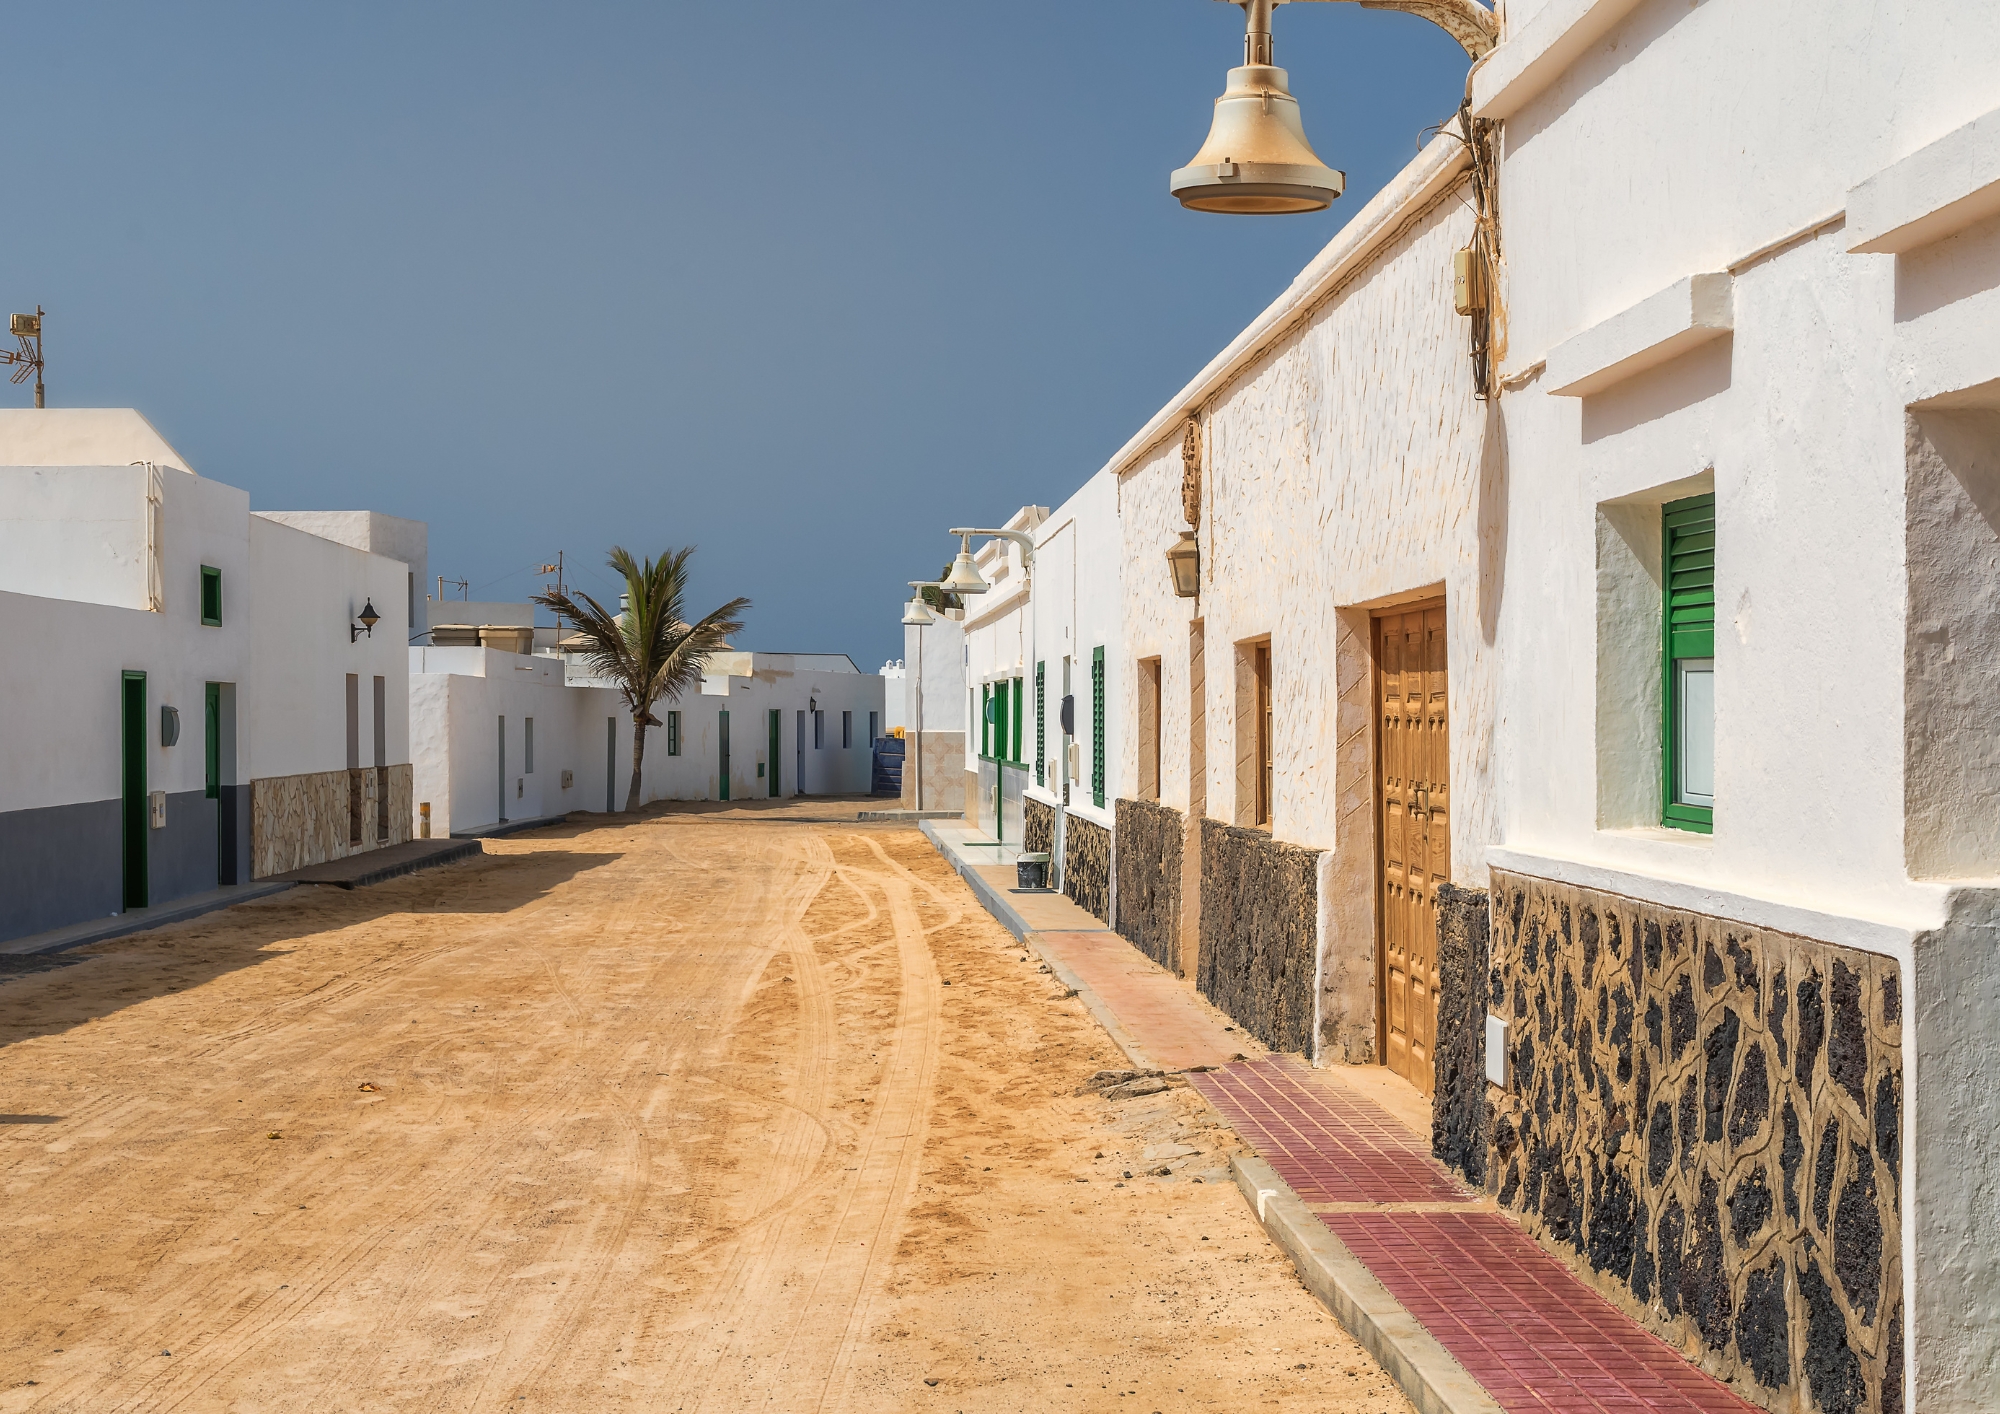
<point x="1414" y="802"/>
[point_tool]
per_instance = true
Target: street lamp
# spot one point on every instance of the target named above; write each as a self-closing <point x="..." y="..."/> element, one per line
<point x="369" y="618"/>
<point x="1256" y="161"/>
<point x="1184" y="563"/>
<point x="964" y="577"/>
<point x="918" y="616"/>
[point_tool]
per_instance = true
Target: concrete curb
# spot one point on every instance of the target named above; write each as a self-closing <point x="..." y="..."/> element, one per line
<point x="910" y="815"/>
<point x="1434" y="1381"/>
<point x="461" y="849"/>
<point x="996" y="904"/>
<point x="509" y="827"/>
<point x="139" y="920"/>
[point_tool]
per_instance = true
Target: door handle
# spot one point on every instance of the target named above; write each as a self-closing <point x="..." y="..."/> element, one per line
<point x="1424" y="799"/>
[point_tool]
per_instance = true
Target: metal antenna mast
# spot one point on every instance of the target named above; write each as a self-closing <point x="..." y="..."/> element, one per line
<point x="28" y="329"/>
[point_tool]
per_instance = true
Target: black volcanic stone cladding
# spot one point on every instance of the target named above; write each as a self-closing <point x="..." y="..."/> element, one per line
<point x="1704" y="1119"/>
<point x="1149" y="879"/>
<point x="1038" y="827"/>
<point x="1461" y="1118"/>
<point x="1087" y="865"/>
<point x="1259" y="926"/>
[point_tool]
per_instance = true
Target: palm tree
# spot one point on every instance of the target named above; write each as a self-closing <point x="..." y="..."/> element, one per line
<point x="650" y="651"/>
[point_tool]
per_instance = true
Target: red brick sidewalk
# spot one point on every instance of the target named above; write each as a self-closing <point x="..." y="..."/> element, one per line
<point x="1533" y="1335"/>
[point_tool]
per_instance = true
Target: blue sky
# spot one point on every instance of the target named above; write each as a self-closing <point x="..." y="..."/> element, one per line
<point x="800" y="284"/>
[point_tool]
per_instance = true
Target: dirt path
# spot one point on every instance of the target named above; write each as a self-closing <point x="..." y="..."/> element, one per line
<point x="707" y="1111"/>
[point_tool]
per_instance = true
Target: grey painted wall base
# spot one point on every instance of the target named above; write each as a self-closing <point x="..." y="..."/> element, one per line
<point x="64" y="864"/>
<point x="138" y="920"/>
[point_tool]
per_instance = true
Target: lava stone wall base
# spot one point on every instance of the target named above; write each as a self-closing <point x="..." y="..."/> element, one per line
<point x="1461" y="1116"/>
<point x="1149" y="879"/>
<point x="1706" y="1120"/>
<point x="1087" y="865"/>
<point x="1038" y="827"/>
<point x="1259" y="914"/>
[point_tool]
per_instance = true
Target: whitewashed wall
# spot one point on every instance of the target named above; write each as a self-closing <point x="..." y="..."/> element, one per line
<point x="305" y="593"/>
<point x="65" y="738"/>
<point x="1343" y="468"/>
<point x="459" y="695"/>
<point x="1078" y="607"/>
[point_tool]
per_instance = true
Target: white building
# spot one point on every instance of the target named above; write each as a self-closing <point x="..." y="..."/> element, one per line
<point x="206" y="708"/>
<point x="506" y="735"/>
<point x="1633" y="704"/>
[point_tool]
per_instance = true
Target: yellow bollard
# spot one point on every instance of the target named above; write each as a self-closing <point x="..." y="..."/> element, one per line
<point x="425" y="811"/>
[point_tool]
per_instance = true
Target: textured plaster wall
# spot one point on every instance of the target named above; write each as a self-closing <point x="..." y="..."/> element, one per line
<point x="1707" y="1119"/>
<point x="1952" y="654"/>
<point x="1347" y="467"/>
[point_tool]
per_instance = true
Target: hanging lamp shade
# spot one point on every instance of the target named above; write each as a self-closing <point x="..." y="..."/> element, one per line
<point x="916" y="613"/>
<point x="1257" y="161"/>
<point x="964" y="577"/>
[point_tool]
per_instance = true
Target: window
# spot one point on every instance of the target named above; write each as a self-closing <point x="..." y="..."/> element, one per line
<point x="1014" y="722"/>
<point x="528" y="746"/>
<point x="846" y="730"/>
<point x="1041" y="725"/>
<point x="1688" y="568"/>
<point x="211" y="596"/>
<point x="874" y="728"/>
<point x="1097" y="727"/>
<point x="1149" y="729"/>
<point x="819" y="730"/>
<point x="1262" y="672"/>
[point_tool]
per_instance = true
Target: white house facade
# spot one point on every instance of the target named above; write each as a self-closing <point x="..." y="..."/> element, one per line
<point x="1588" y="705"/>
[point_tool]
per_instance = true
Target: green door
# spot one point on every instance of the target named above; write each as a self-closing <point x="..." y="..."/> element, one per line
<point x="211" y="740"/>
<point x="722" y="739"/>
<point x="135" y="822"/>
<point x="777" y="723"/>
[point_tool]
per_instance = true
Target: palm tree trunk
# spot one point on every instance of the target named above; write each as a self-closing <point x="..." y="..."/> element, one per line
<point x="638" y="755"/>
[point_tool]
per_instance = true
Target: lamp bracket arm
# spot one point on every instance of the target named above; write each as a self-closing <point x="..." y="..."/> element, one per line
<point x="1476" y="28"/>
<point x="1019" y="537"/>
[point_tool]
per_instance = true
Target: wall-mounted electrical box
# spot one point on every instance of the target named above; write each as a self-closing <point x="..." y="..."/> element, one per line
<point x="156" y="810"/>
<point x="1468" y="282"/>
<point x="1496" y="1050"/>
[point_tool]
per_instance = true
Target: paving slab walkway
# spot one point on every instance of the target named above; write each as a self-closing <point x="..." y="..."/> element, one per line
<point x="1491" y="1303"/>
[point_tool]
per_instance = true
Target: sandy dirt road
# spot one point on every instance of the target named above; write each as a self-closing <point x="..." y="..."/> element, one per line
<point x="707" y="1110"/>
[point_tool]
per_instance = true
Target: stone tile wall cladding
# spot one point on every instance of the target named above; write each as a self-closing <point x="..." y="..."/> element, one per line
<point x="308" y="819"/>
<point x="1149" y="879"/>
<point x="1259" y="911"/>
<point x="1707" y="1119"/>
<point x="1087" y="865"/>
<point x="1038" y="827"/>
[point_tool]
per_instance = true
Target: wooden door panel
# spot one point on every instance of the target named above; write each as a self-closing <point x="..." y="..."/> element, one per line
<point x="1414" y="814"/>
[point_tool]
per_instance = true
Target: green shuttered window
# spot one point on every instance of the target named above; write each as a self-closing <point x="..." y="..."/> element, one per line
<point x="1688" y="560"/>
<point x="1041" y="726"/>
<point x="1097" y="727"/>
<point x="211" y="596"/>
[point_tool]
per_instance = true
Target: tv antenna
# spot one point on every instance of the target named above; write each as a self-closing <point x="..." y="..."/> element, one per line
<point x="28" y="329"/>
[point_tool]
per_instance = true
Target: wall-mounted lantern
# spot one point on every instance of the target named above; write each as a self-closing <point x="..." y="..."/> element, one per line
<point x="369" y="618"/>
<point x="1184" y="563"/>
<point x="170" y="725"/>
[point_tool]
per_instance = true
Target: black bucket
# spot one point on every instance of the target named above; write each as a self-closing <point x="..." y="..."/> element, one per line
<point x="1031" y="871"/>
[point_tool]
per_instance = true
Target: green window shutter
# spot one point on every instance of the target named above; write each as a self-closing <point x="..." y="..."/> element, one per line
<point x="1041" y="726"/>
<point x="1097" y="727"/>
<point x="211" y="595"/>
<point x="1014" y="720"/>
<point x="1688" y="569"/>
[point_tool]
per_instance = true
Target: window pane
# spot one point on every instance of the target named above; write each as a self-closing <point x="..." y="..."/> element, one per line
<point x="1694" y="719"/>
